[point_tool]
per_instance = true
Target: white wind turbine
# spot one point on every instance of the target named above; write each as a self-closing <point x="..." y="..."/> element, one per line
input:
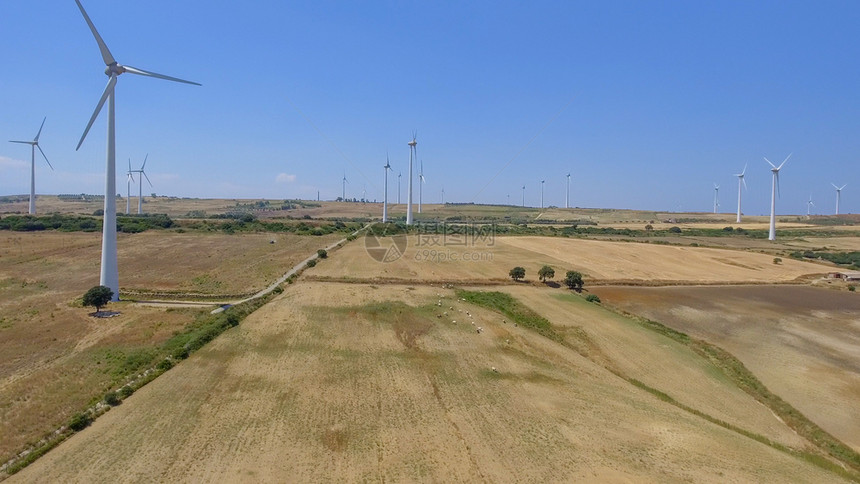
<point x="33" y="145"/>
<point x="838" y="195"/>
<point x="524" y="195"/>
<point x="399" y="176"/>
<point x="774" y="189"/>
<point x="809" y="205"/>
<point x="413" y="154"/>
<point x="716" y="197"/>
<point x="740" y="181"/>
<point x="142" y="175"/>
<point x="129" y="179"/>
<point x="109" y="268"/>
<point x="385" y="168"/>
<point x="343" y="188"/>
<point x="541" y="192"/>
<point x="567" y="195"/>
<point x="421" y="182"/>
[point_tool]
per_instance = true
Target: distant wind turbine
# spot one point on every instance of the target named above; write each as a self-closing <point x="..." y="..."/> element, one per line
<point x="774" y="190"/>
<point x="33" y="145"/>
<point x="399" y="176"/>
<point x="343" y="187"/>
<point x="567" y="194"/>
<point x="443" y="195"/>
<point x="129" y="179"/>
<point x="109" y="275"/>
<point x="413" y="154"/>
<point x="524" y="195"/>
<point x="142" y="175"/>
<point x="385" y="168"/>
<point x="716" y="197"/>
<point x="541" y="192"/>
<point x="809" y="204"/>
<point x="740" y="181"/>
<point x="421" y="182"/>
<point x="838" y="195"/>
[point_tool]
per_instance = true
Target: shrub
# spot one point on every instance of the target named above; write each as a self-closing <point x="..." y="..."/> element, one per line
<point x="165" y="364"/>
<point x="80" y="421"/>
<point x="777" y="260"/>
<point x="312" y="263"/>
<point x="126" y="391"/>
<point x="675" y="230"/>
<point x="592" y="298"/>
<point x="322" y="253"/>
<point x="112" y="398"/>
<point x="851" y="288"/>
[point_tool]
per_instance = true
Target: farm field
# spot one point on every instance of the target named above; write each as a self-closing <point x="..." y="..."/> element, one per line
<point x="54" y="358"/>
<point x="371" y="385"/>
<point x="618" y="261"/>
<point x="802" y="342"/>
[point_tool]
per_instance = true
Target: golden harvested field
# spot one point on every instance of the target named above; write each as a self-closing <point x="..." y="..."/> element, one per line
<point x="613" y="261"/>
<point x="802" y="342"/>
<point x="54" y="358"/>
<point x="372" y="386"/>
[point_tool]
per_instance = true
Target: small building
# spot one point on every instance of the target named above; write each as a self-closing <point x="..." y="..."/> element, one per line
<point x="834" y="275"/>
<point x="851" y="276"/>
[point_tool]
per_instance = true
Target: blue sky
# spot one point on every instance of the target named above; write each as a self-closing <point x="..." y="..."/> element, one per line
<point x="647" y="104"/>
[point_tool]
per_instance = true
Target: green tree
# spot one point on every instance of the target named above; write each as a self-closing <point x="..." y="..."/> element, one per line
<point x="546" y="272"/>
<point x="574" y="280"/>
<point x="322" y="253"/>
<point x="98" y="296"/>
<point x="517" y="273"/>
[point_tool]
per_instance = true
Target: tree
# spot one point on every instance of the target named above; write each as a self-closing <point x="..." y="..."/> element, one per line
<point x="322" y="253"/>
<point x="517" y="273"/>
<point x="98" y="296"/>
<point x="546" y="272"/>
<point x="574" y="280"/>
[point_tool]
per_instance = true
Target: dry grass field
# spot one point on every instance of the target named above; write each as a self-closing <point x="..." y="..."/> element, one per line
<point x="802" y="342"/>
<point x="372" y="386"/>
<point x="54" y="358"/>
<point x="609" y="261"/>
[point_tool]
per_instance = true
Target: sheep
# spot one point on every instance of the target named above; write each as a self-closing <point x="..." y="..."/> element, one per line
<point x="494" y="369"/>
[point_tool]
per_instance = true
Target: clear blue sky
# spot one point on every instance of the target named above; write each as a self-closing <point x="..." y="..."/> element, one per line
<point x="647" y="104"/>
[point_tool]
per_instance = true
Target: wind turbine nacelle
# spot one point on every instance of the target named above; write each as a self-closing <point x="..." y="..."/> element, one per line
<point x="114" y="69"/>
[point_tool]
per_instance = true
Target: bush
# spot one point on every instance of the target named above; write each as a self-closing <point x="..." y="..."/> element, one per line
<point x="592" y="298"/>
<point x="165" y="364"/>
<point x="675" y="230"/>
<point x="312" y="263"/>
<point x="777" y="260"/>
<point x="80" y="421"/>
<point x="322" y="253"/>
<point x="851" y="288"/>
<point x="112" y="398"/>
<point x="126" y="391"/>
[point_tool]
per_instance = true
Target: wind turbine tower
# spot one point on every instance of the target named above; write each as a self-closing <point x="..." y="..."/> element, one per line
<point x="443" y="195"/>
<point x="567" y="195"/>
<point x="740" y="181"/>
<point x="413" y="154"/>
<point x="809" y="205"/>
<point x="838" y="195"/>
<point x="421" y="182"/>
<point x="129" y="179"/>
<point x="716" y="197"/>
<point x="385" y="195"/>
<point x="33" y="145"/>
<point x="524" y="195"/>
<point x="541" y="192"/>
<point x="399" y="176"/>
<point x="774" y="189"/>
<point x="140" y="184"/>
<point x="343" y="188"/>
<point x="109" y="275"/>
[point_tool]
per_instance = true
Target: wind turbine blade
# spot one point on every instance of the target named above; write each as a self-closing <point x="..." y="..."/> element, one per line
<point x="147" y="178"/>
<point x="141" y="72"/>
<point x="129" y="166"/>
<point x="108" y="90"/>
<point x="44" y="155"/>
<point x="744" y="182"/>
<point x="783" y="161"/>
<point x="769" y="163"/>
<point x="22" y="142"/>
<point x="144" y="162"/>
<point x="106" y="55"/>
<point x="745" y="170"/>
<point x="40" y="130"/>
<point x="777" y="185"/>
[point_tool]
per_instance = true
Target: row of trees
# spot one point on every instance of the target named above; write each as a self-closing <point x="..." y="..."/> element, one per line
<point x="573" y="279"/>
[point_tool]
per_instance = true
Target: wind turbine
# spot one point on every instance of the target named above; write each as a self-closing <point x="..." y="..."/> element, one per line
<point x="343" y="187"/>
<point x="421" y="182"/>
<point x="740" y="181"/>
<point x="716" y="197"/>
<point x="109" y="268"/>
<point x="129" y="179"/>
<point x="443" y="195"/>
<point x="524" y="195"/>
<point x="140" y="183"/>
<point x="541" y="192"/>
<point x="413" y="153"/>
<point x="399" y="176"/>
<point x="385" y="195"/>
<point x="567" y="195"/>
<point x="838" y="196"/>
<point x="33" y="145"/>
<point x="809" y="204"/>
<point x="774" y="189"/>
